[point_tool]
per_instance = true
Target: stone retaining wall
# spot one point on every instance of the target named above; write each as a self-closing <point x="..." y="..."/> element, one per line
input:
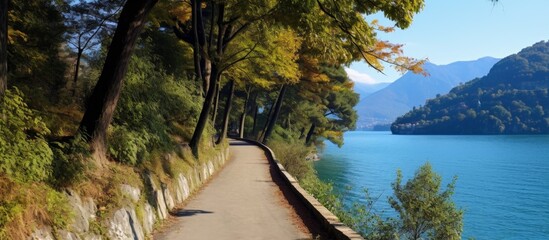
<point x="135" y="220"/>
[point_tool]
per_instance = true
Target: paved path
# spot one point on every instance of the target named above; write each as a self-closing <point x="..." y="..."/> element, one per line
<point x="241" y="202"/>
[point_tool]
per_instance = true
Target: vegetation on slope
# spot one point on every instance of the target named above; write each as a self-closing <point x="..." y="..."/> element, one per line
<point x="512" y="99"/>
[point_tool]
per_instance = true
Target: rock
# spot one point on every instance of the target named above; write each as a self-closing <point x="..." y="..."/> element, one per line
<point x="205" y="172"/>
<point x="150" y="181"/>
<point x="160" y="204"/>
<point x="184" y="186"/>
<point x="133" y="193"/>
<point x="149" y="218"/>
<point x="178" y="193"/>
<point x="124" y="225"/>
<point x="42" y="233"/>
<point x="64" y="235"/>
<point x="168" y="198"/>
<point x="136" y="225"/>
<point x="84" y="211"/>
<point x="157" y="200"/>
<point x="211" y="168"/>
<point x="91" y="237"/>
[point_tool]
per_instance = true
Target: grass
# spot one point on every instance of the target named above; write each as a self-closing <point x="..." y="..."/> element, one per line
<point x="27" y="205"/>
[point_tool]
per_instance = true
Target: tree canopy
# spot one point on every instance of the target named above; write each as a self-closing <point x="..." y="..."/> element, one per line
<point x="425" y="210"/>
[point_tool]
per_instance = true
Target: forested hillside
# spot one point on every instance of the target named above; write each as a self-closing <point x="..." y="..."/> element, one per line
<point x="512" y="99"/>
<point x="384" y="106"/>
<point x="95" y="93"/>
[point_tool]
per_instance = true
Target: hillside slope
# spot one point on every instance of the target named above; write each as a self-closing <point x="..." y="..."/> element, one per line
<point x="511" y="99"/>
<point x="384" y="106"/>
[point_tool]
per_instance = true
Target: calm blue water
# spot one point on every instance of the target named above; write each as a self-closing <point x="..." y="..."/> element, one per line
<point x="503" y="181"/>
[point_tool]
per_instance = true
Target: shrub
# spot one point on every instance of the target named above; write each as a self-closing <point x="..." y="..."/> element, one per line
<point x="69" y="161"/>
<point x="292" y="157"/>
<point x="424" y="209"/>
<point x="128" y="146"/>
<point x="24" y="153"/>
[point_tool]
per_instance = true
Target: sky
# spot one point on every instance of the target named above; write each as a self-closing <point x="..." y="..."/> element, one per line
<point x="447" y="31"/>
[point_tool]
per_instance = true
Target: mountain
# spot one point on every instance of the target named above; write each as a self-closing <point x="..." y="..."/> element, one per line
<point x="512" y="99"/>
<point x="385" y="105"/>
<point x="366" y="89"/>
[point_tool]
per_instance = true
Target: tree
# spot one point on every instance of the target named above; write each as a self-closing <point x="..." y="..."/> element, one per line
<point x="3" y="46"/>
<point x="102" y="102"/>
<point x="425" y="210"/>
<point x="227" y="112"/>
<point x="275" y="112"/>
<point x="35" y="38"/>
<point x="85" y="21"/>
<point x="337" y="32"/>
<point x="210" y="31"/>
<point x="242" y="120"/>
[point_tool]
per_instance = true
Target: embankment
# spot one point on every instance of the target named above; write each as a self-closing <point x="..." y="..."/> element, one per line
<point x="141" y="207"/>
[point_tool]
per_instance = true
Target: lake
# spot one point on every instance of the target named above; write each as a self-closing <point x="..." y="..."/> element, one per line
<point x="503" y="181"/>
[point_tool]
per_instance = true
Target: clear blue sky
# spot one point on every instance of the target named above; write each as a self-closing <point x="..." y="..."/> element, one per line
<point x="458" y="30"/>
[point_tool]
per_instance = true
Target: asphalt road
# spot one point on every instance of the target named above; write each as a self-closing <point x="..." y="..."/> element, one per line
<point x="241" y="202"/>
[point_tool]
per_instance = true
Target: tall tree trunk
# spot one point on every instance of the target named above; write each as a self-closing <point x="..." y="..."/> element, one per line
<point x="302" y="133"/>
<point x="254" y="126"/>
<point x="204" y="114"/>
<point x="197" y="31"/>
<point x="276" y="112"/>
<point x="206" y="66"/>
<point x="76" y="71"/>
<point x="227" y="113"/>
<point x="310" y="133"/>
<point x="264" y="129"/>
<point x="213" y="74"/>
<point x="216" y="102"/>
<point x="289" y="121"/>
<point x="3" y="47"/>
<point x="77" y="66"/>
<point x="255" y="108"/>
<point x="102" y="103"/>
<point x="243" y="116"/>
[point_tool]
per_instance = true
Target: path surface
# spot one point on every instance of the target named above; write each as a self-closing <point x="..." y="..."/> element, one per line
<point x="241" y="202"/>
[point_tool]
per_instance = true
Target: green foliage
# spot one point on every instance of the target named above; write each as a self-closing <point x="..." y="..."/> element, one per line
<point x="424" y="209"/>
<point x="292" y="156"/>
<point x="128" y="146"/>
<point x="58" y="208"/>
<point x="324" y="98"/>
<point x="35" y="37"/>
<point x="153" y="105"/>
<point x="511" y="99"/>
<point x="69" y="162"/>
<point x="24" y="153"/>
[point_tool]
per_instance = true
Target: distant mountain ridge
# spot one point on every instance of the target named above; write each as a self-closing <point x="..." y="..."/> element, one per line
<point x="512" y="99"/>
<point x="365" y="89"/>
<point x="385" y="105"/>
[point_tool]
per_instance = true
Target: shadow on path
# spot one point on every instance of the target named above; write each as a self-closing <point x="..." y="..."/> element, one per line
<point x="188" y="212"/>
<point x="240" y="143"/>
